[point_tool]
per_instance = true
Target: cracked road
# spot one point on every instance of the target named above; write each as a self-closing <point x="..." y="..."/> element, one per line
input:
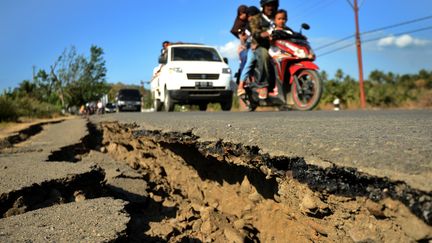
<point x="224" y="177"/>
<point x="396" y="144"/>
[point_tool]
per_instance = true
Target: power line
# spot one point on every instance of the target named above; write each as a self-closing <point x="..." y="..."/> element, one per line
<point x="397" y="25"/>
<point x="337" y="49"/>
<point x="374" y="39"/>
<point x="402" y="33"/>
<point x="334" y="42"/>
<point x="312" y="8"/>
<point x="350" y="3"/>
<point x="375" y="30"/>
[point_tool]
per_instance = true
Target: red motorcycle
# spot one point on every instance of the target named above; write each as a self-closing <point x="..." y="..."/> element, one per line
<point x="297" y="83"/>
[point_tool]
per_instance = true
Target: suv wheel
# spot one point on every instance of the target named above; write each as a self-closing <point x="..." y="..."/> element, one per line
<point x="157" y="105"/>
<point x="203" y="106"/>
<point x="168" y="103"/>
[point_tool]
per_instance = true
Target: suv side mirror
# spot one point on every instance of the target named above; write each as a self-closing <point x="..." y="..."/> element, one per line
<point x="225" y="60"/>
<point x="163" y="59"/>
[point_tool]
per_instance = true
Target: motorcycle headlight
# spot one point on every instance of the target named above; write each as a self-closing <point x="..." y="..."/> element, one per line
<point x="297" y="51"/>
<point x="300" y="53"/>
<point x="226" y="70"/>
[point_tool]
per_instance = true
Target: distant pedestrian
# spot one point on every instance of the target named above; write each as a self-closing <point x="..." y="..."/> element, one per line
<point x="100" y="109"/>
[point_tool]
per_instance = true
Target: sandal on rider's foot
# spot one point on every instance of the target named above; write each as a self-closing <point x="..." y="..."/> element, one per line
<point x="274" y="92"/>
<point x="262" y="93"/>
<point x="241" y="92"/>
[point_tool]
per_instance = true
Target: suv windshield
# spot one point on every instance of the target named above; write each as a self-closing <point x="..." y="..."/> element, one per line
<point x="195" y="54"/>
<point x="129" y="94"/>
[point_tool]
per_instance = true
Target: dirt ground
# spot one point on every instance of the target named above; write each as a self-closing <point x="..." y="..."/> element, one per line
<point x="210" y="193"/>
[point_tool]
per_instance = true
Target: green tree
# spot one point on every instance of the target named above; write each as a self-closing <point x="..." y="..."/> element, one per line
<point x="63" y="72"/>
<point x="26" y="88"/>
<point x="91" y="83"/>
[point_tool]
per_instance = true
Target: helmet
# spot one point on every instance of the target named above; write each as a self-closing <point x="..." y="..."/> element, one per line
<point x="264" y="2"/>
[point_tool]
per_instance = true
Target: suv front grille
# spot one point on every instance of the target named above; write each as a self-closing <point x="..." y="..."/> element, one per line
<point x="206" y="76"/>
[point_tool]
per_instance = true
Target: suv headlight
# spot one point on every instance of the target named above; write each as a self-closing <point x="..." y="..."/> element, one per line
<point x="175" y="69"/>
<point x="226" y="70"/>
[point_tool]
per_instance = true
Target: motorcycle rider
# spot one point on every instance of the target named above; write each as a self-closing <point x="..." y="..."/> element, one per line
<point x="261" y="28"/>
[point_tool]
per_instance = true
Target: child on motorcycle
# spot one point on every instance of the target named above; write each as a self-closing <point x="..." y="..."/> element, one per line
<point x="280" y="20"/>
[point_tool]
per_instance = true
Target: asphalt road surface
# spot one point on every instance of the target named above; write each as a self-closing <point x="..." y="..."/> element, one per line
<point x="396" y="144"/>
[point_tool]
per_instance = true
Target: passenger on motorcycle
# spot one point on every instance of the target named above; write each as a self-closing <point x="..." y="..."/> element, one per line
<point x="247" y="65"/>
<point x="281" y="18"/>
<point x="261" y="28"/>
<point x="241" y="20"/>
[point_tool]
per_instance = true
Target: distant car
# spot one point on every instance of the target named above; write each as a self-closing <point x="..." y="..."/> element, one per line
<point x="128" y="100"/>
<point x="110" y="108"/>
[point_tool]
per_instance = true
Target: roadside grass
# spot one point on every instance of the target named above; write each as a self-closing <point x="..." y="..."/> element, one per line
<point x="13" y="109"/>
<point x="8" y="109"/>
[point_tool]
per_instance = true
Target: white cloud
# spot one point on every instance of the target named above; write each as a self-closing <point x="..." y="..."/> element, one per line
<point x="229" y="50"/>
<point x="402" y="41"/>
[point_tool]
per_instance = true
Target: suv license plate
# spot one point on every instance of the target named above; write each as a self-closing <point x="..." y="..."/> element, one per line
<point x="203" y="84"/>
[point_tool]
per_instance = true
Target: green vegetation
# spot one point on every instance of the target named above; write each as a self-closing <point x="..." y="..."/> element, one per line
<point x="383" y="90"/>
<point x="8" y="109"/>
<point x="72" y="80"/>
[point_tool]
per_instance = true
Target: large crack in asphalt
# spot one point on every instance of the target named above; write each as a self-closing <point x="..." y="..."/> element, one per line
<point x="73" y="153"/>
<point x="24" y="134"/>
<point x="223" y="191"/>
<point x="182" y="189"/>
<point x="48" y="193"/>
<point x="344" y="181"/>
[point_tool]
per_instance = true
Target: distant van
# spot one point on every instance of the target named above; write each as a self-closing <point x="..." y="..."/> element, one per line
<point x="128" y="100"/>
<point x="193" y="74"/>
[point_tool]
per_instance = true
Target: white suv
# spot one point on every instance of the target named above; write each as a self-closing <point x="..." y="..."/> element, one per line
<point x="191" y="74"/>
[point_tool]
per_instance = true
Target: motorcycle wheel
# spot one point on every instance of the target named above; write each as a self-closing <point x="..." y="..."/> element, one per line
<point x="252" y="108"/>
<point x="250" y="104"/>
<point x="308" y="94"/>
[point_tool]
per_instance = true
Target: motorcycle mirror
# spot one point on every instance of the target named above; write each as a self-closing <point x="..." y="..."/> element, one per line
<point x="305" y="26"/>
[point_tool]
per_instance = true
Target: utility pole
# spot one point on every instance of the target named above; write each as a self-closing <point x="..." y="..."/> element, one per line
<point x="34" y="73"/>
<point x="359" y="55"/>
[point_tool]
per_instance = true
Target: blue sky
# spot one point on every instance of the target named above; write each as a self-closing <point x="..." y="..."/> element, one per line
<point x="35" y="32"/>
